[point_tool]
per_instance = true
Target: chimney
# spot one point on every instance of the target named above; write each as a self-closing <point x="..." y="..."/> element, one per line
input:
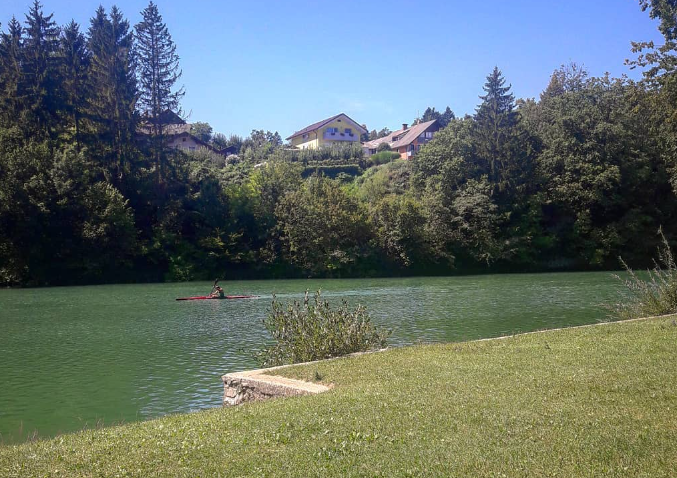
<point x="404" y="126"/>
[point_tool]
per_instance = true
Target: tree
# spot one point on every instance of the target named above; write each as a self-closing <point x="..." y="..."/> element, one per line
<point x="260" y="145"/>
<point x="323" y="229"/>
<point x="383" y="147"/>
<point x="666" y="12"/>
<point x="112" y="92"/>
<point x="11" y="86"/>
<point x="40" y="72"/>
<point x="201" y="130"/>
<point x="603" y="179"/>
<point x="567" y="78"/>
<point x="74" y="66"/>
<point x="430" y="114"/>
<point x="499" y="141"/>
<point x="158" y="73"/>
<point x="661" y="75"/>
<point x="383" y="133"/>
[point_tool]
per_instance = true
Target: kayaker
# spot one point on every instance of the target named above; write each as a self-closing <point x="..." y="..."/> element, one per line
<point x="217" y="291"/>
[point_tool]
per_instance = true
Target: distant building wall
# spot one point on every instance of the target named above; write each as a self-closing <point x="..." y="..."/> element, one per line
<point x="185" y="142"/>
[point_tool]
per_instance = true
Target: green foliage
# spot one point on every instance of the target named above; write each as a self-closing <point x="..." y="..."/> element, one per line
<point x="571" y="180"/>
<point x="333" y="171"/>
<point x="651" y="296"/>
<point x="383" y="147"/>
<point x="201" y="130"/>
<point x="430" y="114"/>
<point x="323" y="229"/>
<point x="382" y="158"/>
<point x="390" y="178"/>
<point x="399" y="223"/>
<point x="314" y="331"/>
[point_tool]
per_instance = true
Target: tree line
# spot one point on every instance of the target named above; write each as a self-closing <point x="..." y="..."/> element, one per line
<point x="568" y="181"/>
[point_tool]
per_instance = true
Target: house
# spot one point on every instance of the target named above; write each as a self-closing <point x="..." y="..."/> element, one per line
<point x="337" y="129"/>
<point x="177" y="134"/>
<point x="406" y="141"/>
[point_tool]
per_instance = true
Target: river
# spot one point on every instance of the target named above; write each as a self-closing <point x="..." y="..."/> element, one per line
<point x="76" y="357"/>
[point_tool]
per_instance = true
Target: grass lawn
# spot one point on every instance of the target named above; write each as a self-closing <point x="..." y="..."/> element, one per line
<point x="595" y="401"/>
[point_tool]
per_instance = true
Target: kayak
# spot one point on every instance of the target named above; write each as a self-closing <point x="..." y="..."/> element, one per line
<point x="207" y="297"/>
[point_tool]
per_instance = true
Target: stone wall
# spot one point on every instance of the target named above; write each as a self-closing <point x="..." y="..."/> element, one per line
<point x="260" y="385"/>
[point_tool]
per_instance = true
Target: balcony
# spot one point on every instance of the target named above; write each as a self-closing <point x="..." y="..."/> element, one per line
<point x="340" y="136"/>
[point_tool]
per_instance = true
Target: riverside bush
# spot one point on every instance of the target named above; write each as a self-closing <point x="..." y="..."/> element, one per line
<point x="654" y="295"/>
<point x="313" y="330"/>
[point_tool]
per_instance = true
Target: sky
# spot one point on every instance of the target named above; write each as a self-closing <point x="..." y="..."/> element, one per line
<point x="282" y="65"/>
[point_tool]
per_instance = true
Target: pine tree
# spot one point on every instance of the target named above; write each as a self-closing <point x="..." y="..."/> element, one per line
<point x="40" y="71"/>
<point x="158" y="73"/>
<point x="447" y="117"/>
<point x="11" y="52"/>
<point x="74" y="66"/>
<point x="112" y="82"/>
<point x="495" y="121"/>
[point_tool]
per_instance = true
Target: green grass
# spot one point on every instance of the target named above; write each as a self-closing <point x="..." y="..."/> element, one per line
<point x="596" y="401"/>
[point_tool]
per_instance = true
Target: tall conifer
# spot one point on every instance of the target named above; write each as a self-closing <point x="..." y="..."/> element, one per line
<point x="495" y="121"/>
<point x="158" y="73"/>
<point x="75" y="59"/>
<point x="112" y="80"/>
<point x="11" y="52"/>
<point x="40" y="71"/>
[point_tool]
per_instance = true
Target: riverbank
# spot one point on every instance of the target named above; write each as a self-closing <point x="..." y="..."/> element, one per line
<point x="594" y="401"/>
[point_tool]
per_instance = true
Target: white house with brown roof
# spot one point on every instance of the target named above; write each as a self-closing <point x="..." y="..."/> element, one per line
<point x="337" y="129"/>
<point x="406" y="141"/>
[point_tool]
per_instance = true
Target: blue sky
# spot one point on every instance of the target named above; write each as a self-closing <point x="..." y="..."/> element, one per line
<point x="281" y="65"/>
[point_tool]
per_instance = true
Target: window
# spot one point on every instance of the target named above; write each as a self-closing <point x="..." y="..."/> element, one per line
<point x="372" y="151"/>
<point x="349" y="131"/>
<point x="332" y="130"/>
<point x="305" y="136"/>
<point x="429" y="134"/>
<point x="184" y="140"/>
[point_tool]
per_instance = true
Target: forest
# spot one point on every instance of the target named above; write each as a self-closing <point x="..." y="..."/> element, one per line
<point x="572" y="180"/>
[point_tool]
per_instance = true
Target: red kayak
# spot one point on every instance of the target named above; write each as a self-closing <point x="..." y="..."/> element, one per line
<point x="207" y="297"/>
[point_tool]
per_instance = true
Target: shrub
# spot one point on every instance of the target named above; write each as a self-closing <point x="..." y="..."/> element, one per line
<point x="655" y="295"/>
<point x="383" y="147"/>
<point x="382" y="158"/>
<point x="312" y="330"/>
<point x="333" y="171"/>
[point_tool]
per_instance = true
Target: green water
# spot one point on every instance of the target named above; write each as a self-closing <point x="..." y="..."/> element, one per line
<point x="78" y="357"/>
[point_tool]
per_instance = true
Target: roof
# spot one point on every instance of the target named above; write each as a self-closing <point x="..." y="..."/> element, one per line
<point x="412" y="133"/>
<point x="405" y="136"/>
<point x="320" y="124"/>
<point x="374" y="143"/>
<point x="178" y="130"/>
<point x="167" y="129"/>
<point x="166" y="117"/>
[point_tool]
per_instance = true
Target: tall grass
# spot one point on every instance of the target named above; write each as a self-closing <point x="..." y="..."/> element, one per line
<point x="655" y="294"/>
<point x="313" y="330"/>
